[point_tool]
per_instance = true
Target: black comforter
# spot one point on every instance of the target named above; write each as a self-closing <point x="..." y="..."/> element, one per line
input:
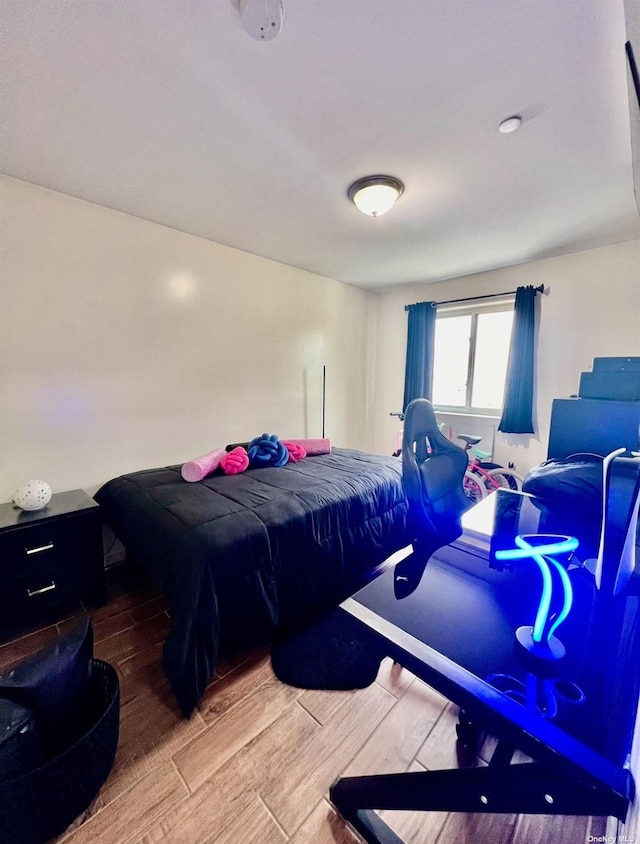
<point x="237" y="556"/>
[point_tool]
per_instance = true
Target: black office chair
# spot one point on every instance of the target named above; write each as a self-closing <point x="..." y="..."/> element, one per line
<point x="432" y="472"/>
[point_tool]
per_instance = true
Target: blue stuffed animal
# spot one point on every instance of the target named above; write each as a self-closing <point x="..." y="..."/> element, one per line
<point x="267" y="450"/>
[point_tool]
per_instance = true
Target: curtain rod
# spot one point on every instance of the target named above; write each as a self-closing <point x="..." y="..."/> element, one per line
<point x="539" y="289"/>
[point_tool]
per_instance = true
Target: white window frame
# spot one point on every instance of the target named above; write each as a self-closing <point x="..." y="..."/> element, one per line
<point x="489" y="305"/>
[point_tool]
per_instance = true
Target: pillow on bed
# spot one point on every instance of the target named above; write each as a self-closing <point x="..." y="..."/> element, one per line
<point x="54" y="683"/>
<point x="267" y="450"/>
<point x="198" y="468"/>
<point x="296" y="451"/>
<point x="314" y="447"/>
<point x="235" y="461"/>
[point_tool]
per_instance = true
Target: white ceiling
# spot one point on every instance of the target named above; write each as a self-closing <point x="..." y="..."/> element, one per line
<point x="169" y="110"/>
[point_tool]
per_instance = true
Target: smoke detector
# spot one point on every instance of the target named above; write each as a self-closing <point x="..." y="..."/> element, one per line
<point x="262" y="19"/>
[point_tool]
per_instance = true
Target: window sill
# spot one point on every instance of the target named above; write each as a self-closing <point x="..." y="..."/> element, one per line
<point x="468" y="414"/>
<point x="456" y="423"/>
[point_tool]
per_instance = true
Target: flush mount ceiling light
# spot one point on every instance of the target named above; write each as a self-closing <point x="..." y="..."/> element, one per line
<point x="375" y="195"/>
<point x="510" y="124"/>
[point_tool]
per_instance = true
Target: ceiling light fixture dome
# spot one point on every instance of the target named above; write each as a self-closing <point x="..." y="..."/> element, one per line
<point x="375" y="195"/>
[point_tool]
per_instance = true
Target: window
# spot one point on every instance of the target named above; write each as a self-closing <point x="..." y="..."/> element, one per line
<point x="471" y="355"/>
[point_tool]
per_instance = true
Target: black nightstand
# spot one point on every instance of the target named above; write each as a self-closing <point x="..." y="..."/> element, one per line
<point x="50" y="556"/>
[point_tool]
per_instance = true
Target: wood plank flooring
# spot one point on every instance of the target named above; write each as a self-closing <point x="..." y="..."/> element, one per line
<point x="254" y="763"/>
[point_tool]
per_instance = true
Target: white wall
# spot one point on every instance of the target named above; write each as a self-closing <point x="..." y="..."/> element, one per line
<point x="593" y="309"/>
<point x="126" y="345"/>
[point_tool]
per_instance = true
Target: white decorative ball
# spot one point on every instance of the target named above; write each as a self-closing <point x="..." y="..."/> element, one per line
<point x="34" y="495"/>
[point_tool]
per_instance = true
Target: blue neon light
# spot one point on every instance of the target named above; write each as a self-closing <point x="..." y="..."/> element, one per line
<point x="542" y="631"/>
<point x="545" y="599"/>
<point x="568" y="543"/>
<point x="568" y="597"/>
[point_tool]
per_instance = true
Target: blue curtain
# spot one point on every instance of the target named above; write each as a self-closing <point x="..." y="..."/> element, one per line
<point x="517" y="414"/>
<point x="418" y="374"/>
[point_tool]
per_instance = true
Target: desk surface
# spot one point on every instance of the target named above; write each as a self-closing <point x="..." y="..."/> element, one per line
<point x="453" y="623"/>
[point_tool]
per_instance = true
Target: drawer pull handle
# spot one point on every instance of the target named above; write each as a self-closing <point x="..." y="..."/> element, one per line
<point x="48" y="588"/>
<point x="40" y="548"/>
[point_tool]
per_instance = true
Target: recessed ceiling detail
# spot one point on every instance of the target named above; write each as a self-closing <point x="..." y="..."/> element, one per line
<point x="511" y="124"/>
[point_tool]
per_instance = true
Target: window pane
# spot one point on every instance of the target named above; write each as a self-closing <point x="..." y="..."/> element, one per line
<point x="451" y="360"/>
<point x="492" y="353"/>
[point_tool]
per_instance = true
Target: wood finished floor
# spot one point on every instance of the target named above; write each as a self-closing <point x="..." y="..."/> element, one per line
<point x="254" y="763"/>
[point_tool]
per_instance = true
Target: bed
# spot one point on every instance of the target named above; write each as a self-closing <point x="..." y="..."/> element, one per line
<point x="238" y="556"/>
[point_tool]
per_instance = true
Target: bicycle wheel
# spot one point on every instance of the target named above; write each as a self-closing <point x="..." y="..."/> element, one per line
<point x="473" y="488"/>
<point x="505" y="478"/>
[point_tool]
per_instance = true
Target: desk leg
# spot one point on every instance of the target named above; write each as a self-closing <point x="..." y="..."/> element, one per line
<point x="527" y="788"/>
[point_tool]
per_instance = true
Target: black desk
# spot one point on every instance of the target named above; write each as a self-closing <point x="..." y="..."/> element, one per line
<point x="454" y="628"/>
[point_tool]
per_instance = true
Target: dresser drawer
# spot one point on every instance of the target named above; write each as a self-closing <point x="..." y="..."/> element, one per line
<point x="54" y="543"/>
<point x="29" y="594"/>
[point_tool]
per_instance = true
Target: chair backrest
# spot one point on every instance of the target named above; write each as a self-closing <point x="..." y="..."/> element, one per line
<point x="432" y="473"/>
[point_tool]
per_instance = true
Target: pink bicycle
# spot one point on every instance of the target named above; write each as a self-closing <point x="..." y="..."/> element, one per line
<point x="397" y="451"/>
<point x="482" y="477"/>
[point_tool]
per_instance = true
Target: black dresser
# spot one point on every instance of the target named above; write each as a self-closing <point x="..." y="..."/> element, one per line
<point x="50" y="556"/>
